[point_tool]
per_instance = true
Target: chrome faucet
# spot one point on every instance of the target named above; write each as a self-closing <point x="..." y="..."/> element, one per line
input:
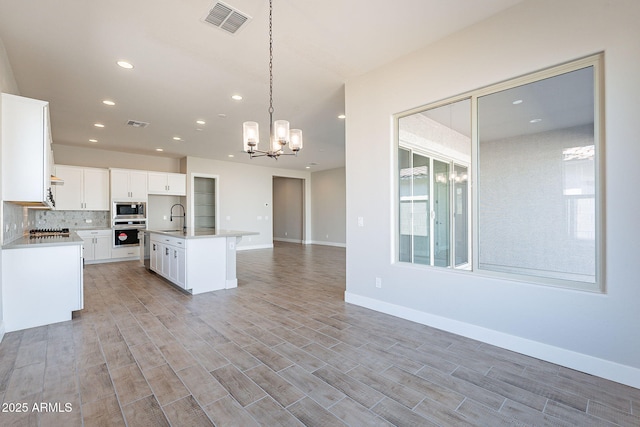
<point x="184" y="216"/>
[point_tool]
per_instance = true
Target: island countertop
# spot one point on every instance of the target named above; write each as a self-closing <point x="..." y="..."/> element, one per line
<point x="202" y="233"/>
<point x="27" y="241"/>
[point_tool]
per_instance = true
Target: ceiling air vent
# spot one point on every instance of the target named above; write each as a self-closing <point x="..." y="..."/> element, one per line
<point x="226" y="18"/>
<point x="137" y="124"/>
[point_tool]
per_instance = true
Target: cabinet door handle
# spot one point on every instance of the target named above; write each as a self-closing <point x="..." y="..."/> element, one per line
<point x="175" y="254"/>
<point x="154" y="247"/>
<point x="166" y="251"/>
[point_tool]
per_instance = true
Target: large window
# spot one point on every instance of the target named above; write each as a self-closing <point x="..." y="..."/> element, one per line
<point x="517" y="194"/>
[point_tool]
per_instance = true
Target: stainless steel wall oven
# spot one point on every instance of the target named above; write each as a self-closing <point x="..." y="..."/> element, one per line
<point x="125" y="233"/>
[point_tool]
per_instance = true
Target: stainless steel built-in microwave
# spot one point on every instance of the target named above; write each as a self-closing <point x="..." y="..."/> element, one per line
<point x="129" y="210"/>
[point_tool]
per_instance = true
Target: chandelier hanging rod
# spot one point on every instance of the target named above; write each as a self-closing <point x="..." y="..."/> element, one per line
<point x="279" y="133"/>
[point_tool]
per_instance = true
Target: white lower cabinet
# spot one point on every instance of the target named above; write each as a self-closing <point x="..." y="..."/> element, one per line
<point x="178" y="269"/>
<point x="97" y="244"/>
<point x="168" y="258"/>
<point x="196" y="264"/>
<point x="41" y="285"/>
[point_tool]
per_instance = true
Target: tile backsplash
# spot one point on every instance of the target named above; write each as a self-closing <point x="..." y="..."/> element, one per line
<point x="17" y="220"/>
<point x="74" y="220"/>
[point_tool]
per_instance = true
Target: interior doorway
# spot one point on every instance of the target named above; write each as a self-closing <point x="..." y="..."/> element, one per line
<point x="288" y="209"/>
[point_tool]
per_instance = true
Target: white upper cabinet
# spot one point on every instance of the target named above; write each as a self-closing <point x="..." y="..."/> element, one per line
<point x="26" y="150"/>
<point x="128" y="185"/>
<point x="96" y="189"/>
<point x="84" y="189"/>
<point x="69" y="195"/>
<point x="173" y="184"/>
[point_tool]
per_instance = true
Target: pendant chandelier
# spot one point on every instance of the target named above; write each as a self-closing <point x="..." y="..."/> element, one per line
<point x="279" y="133"/>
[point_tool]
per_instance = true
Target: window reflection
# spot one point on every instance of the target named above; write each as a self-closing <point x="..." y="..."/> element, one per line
<point x="536" y="171"/>
<point x="434" y="154"/>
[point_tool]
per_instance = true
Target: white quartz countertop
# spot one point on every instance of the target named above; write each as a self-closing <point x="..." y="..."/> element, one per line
<point x="203" y="233"/>
<point x="35" y="242"/>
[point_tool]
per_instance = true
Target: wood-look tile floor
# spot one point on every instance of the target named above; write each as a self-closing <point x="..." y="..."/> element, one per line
<point x="282" y="349"/>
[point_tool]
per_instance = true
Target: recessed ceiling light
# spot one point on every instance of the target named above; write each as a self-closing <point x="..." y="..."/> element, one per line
<point x="177" y="138"/>
<point x="93" y="140"/>
<point x="342" y="116"/>
<point x="125" y="64"/>
<point x="308" y="167"/>
<point x="108" y="102"/>
<point x="517" y="101"/>
<point x="98" y="125"/>
<point x="222" y="116"/>
<point x="535" y="121"/>
<point x="236" y="97"/>
<point x="230" y="155"/>
<point x="159" y="149"/>
<point x="201" y="122"/>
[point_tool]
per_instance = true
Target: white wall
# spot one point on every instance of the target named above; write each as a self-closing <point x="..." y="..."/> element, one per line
<point x="328" y="204"/>
<point x="159" y="212"/>
<point x="595" y="333"/>
<point x="7" y="85"/>
<point x="245" y="196"/>
<point x="100" y="158"/>
<point x="7" y="81"/>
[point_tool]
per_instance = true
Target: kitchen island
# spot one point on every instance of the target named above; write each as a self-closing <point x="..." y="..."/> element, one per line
<point x="42" y="280"/>
<point x="196" y="260"/>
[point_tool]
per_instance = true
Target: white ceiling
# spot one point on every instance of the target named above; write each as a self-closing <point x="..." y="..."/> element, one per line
<point x="65" y="52"/>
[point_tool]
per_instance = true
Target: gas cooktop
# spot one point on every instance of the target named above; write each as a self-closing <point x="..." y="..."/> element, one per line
<point x="48" y="232"/>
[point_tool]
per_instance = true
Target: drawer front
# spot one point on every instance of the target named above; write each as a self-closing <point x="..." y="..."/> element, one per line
<point x="93" y="233"/>
<point x="173" y="241"/>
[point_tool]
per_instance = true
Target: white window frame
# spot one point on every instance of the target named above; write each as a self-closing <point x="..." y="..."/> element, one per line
<point x="597" y="62"/>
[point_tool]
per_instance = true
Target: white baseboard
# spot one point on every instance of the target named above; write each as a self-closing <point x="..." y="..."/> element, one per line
<point x="248" y="248"/>
<point x="280" y="239"/>
<point x="336" y="244"/>
<point x="581" y="362"/>
<point x="2" y="330"/>
<point x="311" y="242"/>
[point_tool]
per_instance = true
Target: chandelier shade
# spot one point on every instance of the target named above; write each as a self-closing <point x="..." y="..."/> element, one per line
<point x="295" y="140"/>
<point x="251" y="136"/>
